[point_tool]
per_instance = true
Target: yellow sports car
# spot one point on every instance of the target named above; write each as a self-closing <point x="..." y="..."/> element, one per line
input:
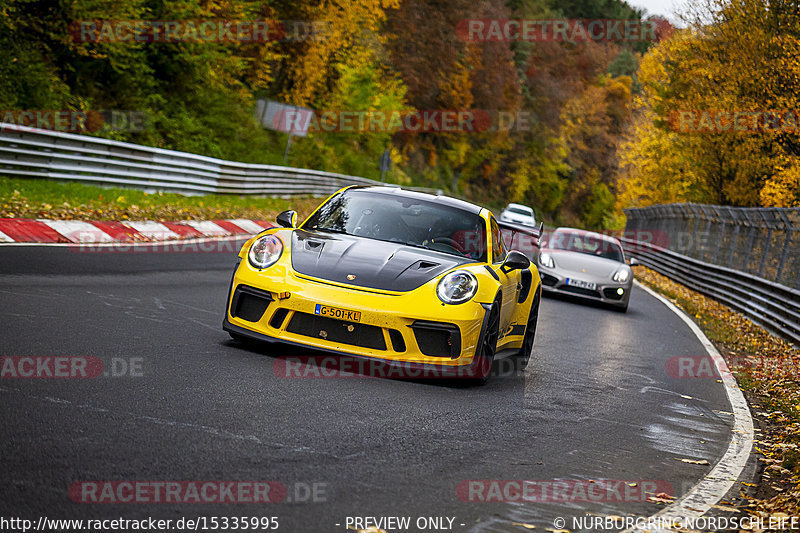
<point x="418" y="281"/>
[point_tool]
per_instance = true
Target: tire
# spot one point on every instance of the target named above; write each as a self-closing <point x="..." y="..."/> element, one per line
<point x="524" y="354"/>
<point x="482" y="369"/>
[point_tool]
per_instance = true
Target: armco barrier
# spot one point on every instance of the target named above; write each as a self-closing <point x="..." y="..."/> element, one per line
<point x="762" y="241"/>
<point x="30" y="152"/>
<point x="774" y="306"/>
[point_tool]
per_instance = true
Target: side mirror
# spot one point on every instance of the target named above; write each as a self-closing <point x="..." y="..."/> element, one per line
<point x="516" y="261"/>
<point x="287" y="219"/>
<point x="633" y="262"/>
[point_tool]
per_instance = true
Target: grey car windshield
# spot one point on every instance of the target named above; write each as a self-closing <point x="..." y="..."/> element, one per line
<point x="572" y="241"/>
<point x="401" y="219"/>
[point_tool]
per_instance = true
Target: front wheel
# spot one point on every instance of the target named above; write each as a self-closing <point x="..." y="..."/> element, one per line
<point x="524" y="354"/>
<point x="484" y="359"/>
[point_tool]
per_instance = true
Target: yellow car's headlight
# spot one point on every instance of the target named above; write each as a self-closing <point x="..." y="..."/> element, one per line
<point x="265" y="251"/>
<point x="457" y="287"/>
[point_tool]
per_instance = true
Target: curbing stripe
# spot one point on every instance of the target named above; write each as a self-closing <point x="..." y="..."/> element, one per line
<point x="29" y="230"/>
<point x="185" y="231"/>
<point x="118" y="231"/>
<point x="14" y="231"/>
<point x="171" y="244"/>
<point x="232" y="228"/>
<point x="207" y="228"/>
<point x="153" y="230"/>
<point x="248" y="226"/>
<point x="78" y="231"/>
<point x="716" y="484"/>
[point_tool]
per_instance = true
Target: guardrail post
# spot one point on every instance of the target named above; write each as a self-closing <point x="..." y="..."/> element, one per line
<point x="766" y="252"/>
<point x="750" y="241"/>
<point x="707" y="233"/>
<point x="693" y="244"/>
<point x="734" y="243"/>
<point x="784" y="253"/>
<point x="724" y="224"/>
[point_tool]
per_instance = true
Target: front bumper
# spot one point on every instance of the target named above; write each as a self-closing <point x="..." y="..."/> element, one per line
<point x="280" y="305"/>
<point x="554" y="281"/>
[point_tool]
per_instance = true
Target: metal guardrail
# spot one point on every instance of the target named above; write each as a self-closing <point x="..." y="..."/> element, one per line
<point x="30" y="152"/>
<point x="769" y="304"/>
<point x="764" y="242"/>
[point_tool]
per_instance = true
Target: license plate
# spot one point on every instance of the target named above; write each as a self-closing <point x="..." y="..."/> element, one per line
<point x="582" y="284"/>
<point x="339" y="314"/>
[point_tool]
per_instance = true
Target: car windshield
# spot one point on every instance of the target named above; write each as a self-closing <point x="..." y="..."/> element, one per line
<point x="411" y="221"/>
<point x="519" y="211"/>
<point x="586" y="244"/>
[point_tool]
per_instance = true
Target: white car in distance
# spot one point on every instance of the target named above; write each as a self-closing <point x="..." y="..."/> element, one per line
<point x="518" y="214"/>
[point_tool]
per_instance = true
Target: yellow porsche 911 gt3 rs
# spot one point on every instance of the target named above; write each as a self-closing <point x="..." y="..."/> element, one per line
<point x="412" y="279"/>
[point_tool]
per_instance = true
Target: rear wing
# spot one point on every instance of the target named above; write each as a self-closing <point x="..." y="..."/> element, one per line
<point x="522" y="238"/>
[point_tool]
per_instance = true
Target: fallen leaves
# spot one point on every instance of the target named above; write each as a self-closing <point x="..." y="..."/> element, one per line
<point x="695" y="462"/>
<point x="46" y="200"/>
<point x="661" y="497"/>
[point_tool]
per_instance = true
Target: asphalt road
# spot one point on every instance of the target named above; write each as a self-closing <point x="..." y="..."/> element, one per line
<point x="596" y="403"/>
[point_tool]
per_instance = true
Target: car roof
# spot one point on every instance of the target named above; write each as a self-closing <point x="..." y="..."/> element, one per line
<point x="584" y="232"/>
<point x="521" y="206"/>
<point x="435" y="198"/>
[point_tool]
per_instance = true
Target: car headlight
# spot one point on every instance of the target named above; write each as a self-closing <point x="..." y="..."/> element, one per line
<point x="265" y="251"/>
<point x="457" y="287"/>
<point x="546" y="260"/>
<point x="622" y="275"/>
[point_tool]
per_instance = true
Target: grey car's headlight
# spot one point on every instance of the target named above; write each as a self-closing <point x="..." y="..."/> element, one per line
<point x="622" y="275"/>
<point x="457" y="287"/>
<point x="546" y="260"/>
<point x="265" y="251"/>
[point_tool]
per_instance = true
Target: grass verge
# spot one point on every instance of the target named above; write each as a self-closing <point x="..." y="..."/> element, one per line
<point x="768" y="371"/>
<point x="57" y="200"/>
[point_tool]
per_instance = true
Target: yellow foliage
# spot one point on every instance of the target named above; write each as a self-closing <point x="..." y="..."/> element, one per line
<point x="782" y="189"/>
<point x="343" y="23"/>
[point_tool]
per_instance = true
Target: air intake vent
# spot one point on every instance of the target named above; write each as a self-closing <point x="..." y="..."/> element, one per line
<point x="398" y="344"/>
<point x="249" y="303"/>
<point x="278" y="318"/>
<point x="334" y="330"/>
<point x="437" y="339"/>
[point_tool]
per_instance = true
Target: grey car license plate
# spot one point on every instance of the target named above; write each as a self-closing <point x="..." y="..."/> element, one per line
<point x="582" y="284"/>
